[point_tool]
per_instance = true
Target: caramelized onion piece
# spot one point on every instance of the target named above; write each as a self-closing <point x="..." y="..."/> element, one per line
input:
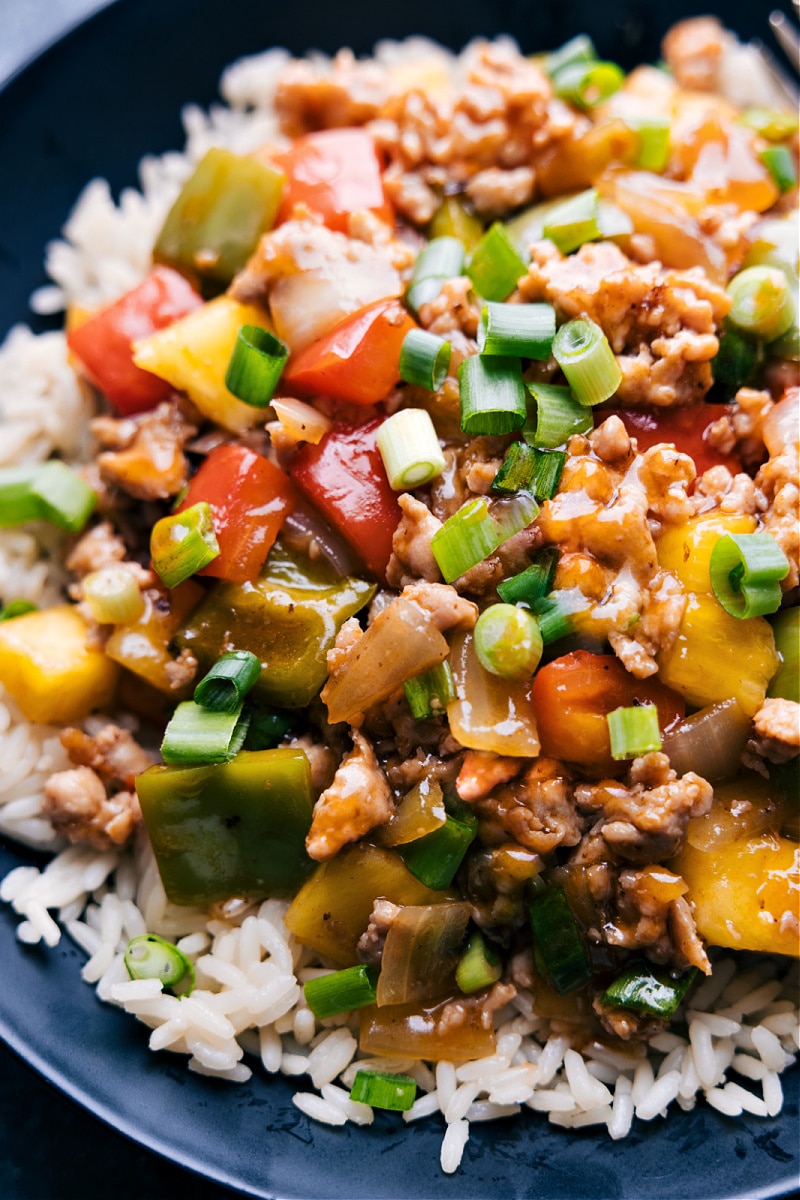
<point x="710" y="742"/>
<point x="421" y="952"/>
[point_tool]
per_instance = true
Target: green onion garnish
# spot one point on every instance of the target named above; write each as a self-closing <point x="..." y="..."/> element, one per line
<point x="653" y="152"/>
<point x="148" y="956"/>
<point x="429" y="694"/>
<point x="199" y="735"/>
<point x="555" y="416"/>
<point x="558" y="940"/>
<point x="510" y="514"/>
<point x="773" y="125"/>
<point x="49" y="491"/>
<point x="17" y="608"/>
<point x="493" y="398"/>
<point x="478" y="967"/>
<point x="586" y="84"/>
<point x="423" y="292"/>
<point x="779" y="161"/>
<point x="424" y="359"/>
<point x="473" y="532"/>
<point x="112" y="595"/>
<point x="574" y="222"/>
<point x="496" y="264"/>
<point x="507" y="641"/>
<point x="524" y="330"/>
<point x="441" y="258"/>
<point x="554" y="614"/>
<point x="579" y="49"/>
<point x="527" y="469"/>
<point x="763" y="304"/>
<point x="786" y="680"/>
<point x="380" y="1090"/>
<point x="643" y="989"/>
<point x="633" y="731"/>
<point x="435" y="858"/>
<point x="735" y="361"/>
<point x="534" y="582"/>
<point x="582" y="351"/>
<point x="227" y="683"/>
<point x="341" y="991"/>
<point x="746" y="570"/>
<point x="256" y="365"/>
<point x="183" y="543"/>
<point x="410" y="448"/>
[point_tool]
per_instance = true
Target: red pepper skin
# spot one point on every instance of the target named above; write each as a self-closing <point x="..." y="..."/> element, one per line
<point x="345" y="478"/>
<point x="357" y="360"/>
<point x="104" y="342"/>
<point x="334" y="172"/>
<point x="686" y="427"/>
<point x="249" y="497"/>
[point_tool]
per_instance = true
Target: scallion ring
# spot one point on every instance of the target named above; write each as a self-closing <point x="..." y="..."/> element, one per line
<point x="424" y="359"/>
<point x="554" y="416"/>
<point x="227" y="683"/>
<point x="409" y="447"/>
<point x="199" y="735"/>
<point x="524" y="330"/>
<point x="493" y="398"/>
<point x="763" y="304"/>
<point x="574" y="222"/>
<point x="507" y="641"/>
<point x="148" y="956"/>
<point x="582" y="351"/>
<point x="256" y="365"/>
<point x="633" y="731"/>
<point x="381" y="1090"/>
<point x="183" y="543"/>
<point x="746" y="570"/>
<point x="496" y="264"/>
<point x="588" y="84"/>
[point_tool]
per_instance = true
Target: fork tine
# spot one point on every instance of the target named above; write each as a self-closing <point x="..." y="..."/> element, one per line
<point x="787" y="36"/>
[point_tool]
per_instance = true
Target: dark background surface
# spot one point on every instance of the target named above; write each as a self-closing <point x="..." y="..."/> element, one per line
<point x="49" y="1148"/>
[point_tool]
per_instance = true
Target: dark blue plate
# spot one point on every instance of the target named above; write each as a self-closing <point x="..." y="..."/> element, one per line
<point x="93" y="104"/>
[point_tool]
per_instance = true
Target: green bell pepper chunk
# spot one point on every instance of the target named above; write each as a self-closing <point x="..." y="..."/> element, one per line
<point x="235" y="829"/>
<point x="453" y="219"/>
<point x="786" y="680"/>
<point x="220" y="213"/>
<point x="289" y="618"/>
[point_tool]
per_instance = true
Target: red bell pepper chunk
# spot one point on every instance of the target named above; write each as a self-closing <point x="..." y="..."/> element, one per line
<point x="687" y="428"/>
<point x="357" y="360"/>
<point x="333" y="173"/>
<point x="249" y="497"/>
<point x="104" y="342"/>
<point x="345" y="478"/>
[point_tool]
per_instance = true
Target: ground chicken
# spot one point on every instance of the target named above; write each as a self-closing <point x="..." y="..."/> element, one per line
<point x="536" y="811"/>
<point x="777" y="730"/>
<point x="412" y="557"/>
<point x="147" y="459"/>
<point x="693" y="52"/>
<point x="740" y="430"/>
<point x="481" y="771"/>
<point x="358" y="800"/>
<point x="369" y="947"/>
<point x="778" y="482"/>
<point x="324" y="95"/>
<point x="78" y="806"/>
<point x="112" y="753"/>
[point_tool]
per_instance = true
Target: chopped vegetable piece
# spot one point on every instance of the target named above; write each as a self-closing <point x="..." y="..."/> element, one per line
<point x="380" y="1090"/>
<point x="145" y="646"/>
<point x="555" y="613"/>
<point x="300" y="422"/>
<point x="49" y="491"/>
<point x="202" y="735"/>
<point x="112" y="595"/>
<point x="582" y="351"/>
<point x="524" y="330"/>
<point x="507" y="641"/>
<point x="424" y="359"/>
<point x="644" y="989"/>
<point x="104" y="343"/>
<point x="653" y="151"/>
<point x="527" y="469"/>
<point x="579" y="49"/>
<point x="409" y="447"/>
<point x="558" y="941"/>
<point x="423" y="1031"/>
<point x="453" y="219"/>
<point x="429" y="694"/>
<point x="441" y="258"/>
<point x="496" y="264"/>
<point x="183" y="543"/>
<point x="421" y="952"/>
<point x="780" y="163"/>
<point x="735" y="361"/>
<point x="256" y="365"/>
<point x="746" y="570"/>
<point x="435" y="858"/>
<point x="237" y="829"/>
<point x="268" y="728"/>
<point x="633" y="731"/>
<point x="574" y="222"/>
<point x="786" y="681"/>
<point x="220" y="213"/>
<point x="478" y="967"/>
<point x="492" y="395"/>
<point x="420" y="812"/>
<point x="710" y="742"/>
<point x="555" y="416"/>
<point x="341" y="991"/>
<point x="489" y="713"/>
<point x="227" y="683"/>
<point x="465" y="539"/>
<point x="148" y="956"/>
<point x="771" y="123"/>
<point x="333" y="172"/>
<point x="588" y="84"/>
<point x="534" y="582"/>
<point x="763" y="303"/>
<point x="17" y="608"/>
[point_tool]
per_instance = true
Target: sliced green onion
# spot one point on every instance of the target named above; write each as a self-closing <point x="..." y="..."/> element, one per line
<point x="773" y="125"/>
<point x="587" y="84"/>
<point x="381" y="1090"/>
<point x="511" y="514"/>
<point x="49" y="491"/>
<point x="478" y="967"/>
<point x="268" y="728"/>
<point x="148" y="956"/>
<point x="424" y="359"/>
<point x="534" y="582"/>
<point x="746" y="570"/>
<point x="113" y="596"/>
<point x="518" y="470"/>
<point x="17" y="608"/>
<point x="524" y="330"/>
<point x="183" y="543"/>
<point x="558" y="941"/>
<point x="493" y="398"/>
<point x="465" y="539"/>
<point x="409" y="447"/>
<point x="341" y="991"/>
<point x="653" y="152"/>
<point x="423" y="293"/>
<point x="574" y="222"/>
<point x="227" y="683"/>
<point x="256" y="365"/>
<point x="787" y="346"/>
<point x="554" y="615"/>
<point x="736" y="360"/>
<point x="555" y="417"/>
<point x="579" y="49"/>
<point x="786" y="680"/>
<point x="199" y="735"/>
<point x="643" y="989"/>
<point x="507" y="641"/>
<point x="763" y="304"/>
<point x="633" y="731"/>
<point x="441" y="258"/>
<point x="429" y="694"/>
<point x="435" y="858"/>
<point x="582" y="351"/>
<point x="779" y="161"/>
<point x="496" y="264"/>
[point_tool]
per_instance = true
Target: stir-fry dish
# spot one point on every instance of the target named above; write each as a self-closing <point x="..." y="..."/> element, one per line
<point x="400" y="565"/>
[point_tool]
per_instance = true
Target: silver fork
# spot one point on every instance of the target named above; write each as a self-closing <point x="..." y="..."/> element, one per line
<point x="787" y="35"/>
